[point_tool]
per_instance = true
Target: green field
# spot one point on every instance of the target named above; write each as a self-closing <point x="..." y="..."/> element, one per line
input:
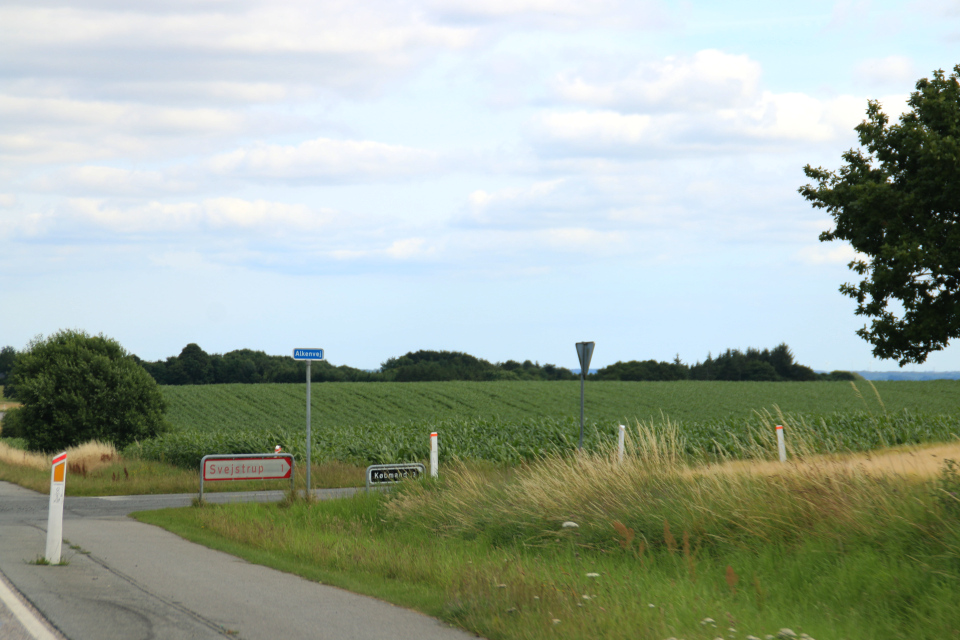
<point x="508" y="422"/>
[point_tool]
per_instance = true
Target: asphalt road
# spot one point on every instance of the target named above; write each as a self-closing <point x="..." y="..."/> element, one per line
<point x="130" y="581"/>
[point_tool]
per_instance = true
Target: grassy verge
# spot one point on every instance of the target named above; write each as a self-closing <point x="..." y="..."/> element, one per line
<point x="97" y="470"/>
<point x="660" y="550"/>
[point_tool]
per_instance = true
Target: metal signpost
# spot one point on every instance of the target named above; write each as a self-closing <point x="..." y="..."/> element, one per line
<point x="309" y="355"/>
<point x="584" y="353"/>
<point x="390" y="473"/>
<point x="246" y="466"/>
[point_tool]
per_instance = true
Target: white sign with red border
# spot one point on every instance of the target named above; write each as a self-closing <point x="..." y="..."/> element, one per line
<point x="246" y="466"/>
<point x="266" y="468"/>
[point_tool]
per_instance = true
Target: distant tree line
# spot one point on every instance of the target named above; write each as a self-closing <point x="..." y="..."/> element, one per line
<point x="773" y="365"/>
<point x="196" y="366"/>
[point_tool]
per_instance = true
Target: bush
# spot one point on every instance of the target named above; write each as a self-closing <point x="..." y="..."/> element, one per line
<point x="75" y="387"/>
<point x="11" y="426"/>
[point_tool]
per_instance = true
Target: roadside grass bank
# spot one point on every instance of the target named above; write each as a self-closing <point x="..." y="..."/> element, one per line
<point x="96" y="469"/>
<point x="661" y="549"/>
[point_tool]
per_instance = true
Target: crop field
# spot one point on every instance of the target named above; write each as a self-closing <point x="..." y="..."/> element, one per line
<point x="507" y="422"/>
<point x="213" y="407"/>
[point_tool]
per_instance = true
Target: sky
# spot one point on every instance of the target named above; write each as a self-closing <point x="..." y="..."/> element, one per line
<point x="500" y="177"/>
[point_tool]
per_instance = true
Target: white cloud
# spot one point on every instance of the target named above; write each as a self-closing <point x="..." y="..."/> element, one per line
<point x="323" y="158"/>
<point x="775" y="122"/>
<point x="214" y="214"/>
<point x="407" y="248"/>
<point x="7" y="200"/>
<point x="17" y="112"/>
<point x="796" y="117"/>
<point x="261" y="27"/>
<point x="829" y="254"/>
<point x="356" y="47"/>
<point x="596" y="131"/>
<point x="585" y="240"/>
<point x="892" y="70"/>
<point x="553" y="13"/>
<point x="103" y="181"/>
<point x="708" y="80"/>
<point x="61" y="130"/>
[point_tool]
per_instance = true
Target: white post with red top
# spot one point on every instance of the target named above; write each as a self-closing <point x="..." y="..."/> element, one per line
<point x="781" y="447"/>
<point x="58" y="477"/>
<point x="434" y="458"/>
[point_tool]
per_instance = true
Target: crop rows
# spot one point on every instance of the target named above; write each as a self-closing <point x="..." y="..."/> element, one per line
<point x="237" y="406"/>
<point x="514" y="421"/>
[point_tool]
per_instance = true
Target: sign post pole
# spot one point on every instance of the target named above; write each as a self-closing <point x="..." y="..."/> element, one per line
<point x="309" y="355"/>
<point x="308" y="429"/>
<point x="584" y="353"/>
<point x="58" y="477"/>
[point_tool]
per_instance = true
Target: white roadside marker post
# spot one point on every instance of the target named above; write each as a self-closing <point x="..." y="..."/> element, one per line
<point x="620" y="446"/>
<point x="781" y="447"/>
<point x="58" y="476"/>
<point x="434" y="458"/>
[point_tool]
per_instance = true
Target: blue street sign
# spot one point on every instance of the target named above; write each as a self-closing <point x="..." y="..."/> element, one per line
<point x="308" y="354"/>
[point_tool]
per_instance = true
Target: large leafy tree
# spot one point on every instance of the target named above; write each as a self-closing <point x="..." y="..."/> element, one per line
<point x="75" y="387"/>
<point x="897" y="202"/>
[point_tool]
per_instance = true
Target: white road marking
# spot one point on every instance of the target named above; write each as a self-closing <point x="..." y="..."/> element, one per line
<point x="26" y="617"/>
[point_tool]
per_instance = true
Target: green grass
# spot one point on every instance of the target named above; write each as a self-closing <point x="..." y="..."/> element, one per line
<point x="832" y="555"/>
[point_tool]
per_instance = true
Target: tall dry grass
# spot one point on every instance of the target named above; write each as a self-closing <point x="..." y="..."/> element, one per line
<point x="81" y="459"/>
<point x="657" y="487"/>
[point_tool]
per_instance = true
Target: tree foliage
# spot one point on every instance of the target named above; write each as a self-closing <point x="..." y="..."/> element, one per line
<point x="195" y="366"/>
<point x="246" y="366"/>
<point x="898" y="204"/>
<point x="7" y="357"/>
<point x="773" y="365"/>
<point x="75" y="387"/>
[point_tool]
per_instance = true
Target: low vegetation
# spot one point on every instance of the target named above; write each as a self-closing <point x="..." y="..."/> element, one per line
<point x="653" y="548"/>
<point x="96" y="469"/>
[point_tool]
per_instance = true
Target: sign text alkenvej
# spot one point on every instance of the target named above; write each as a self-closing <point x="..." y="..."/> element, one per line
<point x="308" y="354"/>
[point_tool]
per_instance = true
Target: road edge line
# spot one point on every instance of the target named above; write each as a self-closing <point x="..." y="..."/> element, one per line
<point x="34" y="626"/>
